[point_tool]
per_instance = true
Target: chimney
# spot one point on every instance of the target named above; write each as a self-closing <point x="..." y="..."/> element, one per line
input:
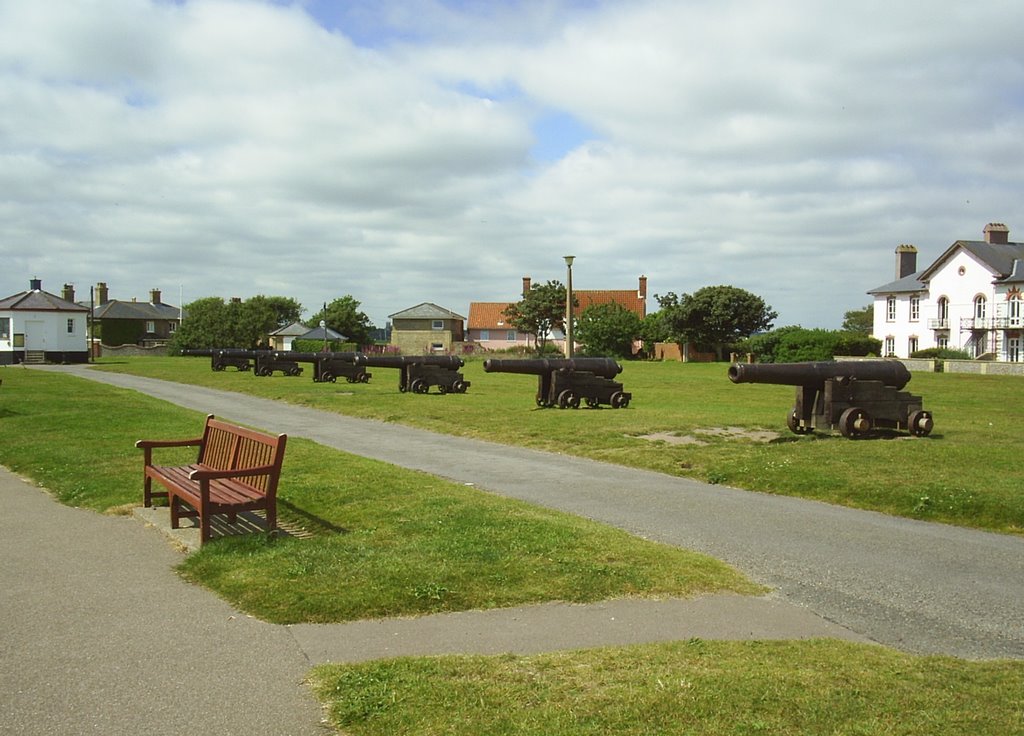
<point x="997" y="233"/>
<point x="102" y="295"/>
<point x="526" y="285"/>
<point x="154" y="296"/>
<point x="68" y="294"/>
<point x="906" y="260"/>
<point x="35" y="284"/>
<point x="642" y="289"/>
<point x="236" y="300"/>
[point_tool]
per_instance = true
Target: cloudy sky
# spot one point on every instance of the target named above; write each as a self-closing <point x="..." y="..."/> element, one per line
<point x="404" y="151"/>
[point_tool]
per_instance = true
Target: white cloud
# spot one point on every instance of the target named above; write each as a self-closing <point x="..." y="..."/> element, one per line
<point x="383" y="149"/>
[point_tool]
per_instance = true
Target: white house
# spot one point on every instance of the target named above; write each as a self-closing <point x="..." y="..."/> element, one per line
<point x="38" y="326"/>
<point x="968" y="299"/>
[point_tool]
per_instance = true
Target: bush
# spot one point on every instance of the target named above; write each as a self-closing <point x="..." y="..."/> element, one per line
<point x="795" y="344"/>
<point x="941" y="354"/>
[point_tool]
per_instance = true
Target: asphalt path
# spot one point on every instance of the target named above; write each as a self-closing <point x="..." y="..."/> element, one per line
<point x="917" y="586"/>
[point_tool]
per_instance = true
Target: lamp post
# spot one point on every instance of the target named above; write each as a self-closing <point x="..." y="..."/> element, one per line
<point x="568" y="306"/>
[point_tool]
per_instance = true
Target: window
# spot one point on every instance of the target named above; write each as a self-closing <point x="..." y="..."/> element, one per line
<point x="1013" y="350"/>
<point x="942" y="342"/>
<point x="911" y="346"/>
<point x="172" y="327"/>
<point x="485" y="334"/>
<point x="1013" y="311"/>
<point x="71" y="326"/>
<point x="980" y="306"/>
<point x="150" y="325"/>
<point x="915" y="308"/>
<point x="890" y="309"/>
<point x="437" y="324"/>
<point x="890" y="346"/>
<point x="5" y="328"/>
<point x="510" y="335"/>
<point x="943" y="309"/>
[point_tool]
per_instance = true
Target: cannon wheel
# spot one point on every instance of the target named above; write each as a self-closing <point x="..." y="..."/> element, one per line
<point x="920" y="423"/>
<point x="619" y="400"/>
<point x="442" y="389"/>
<point x="459" y="387"/>
<point x="265" y="372"/>
<point x="218" y="368"/>
<point x="793" y="422"/>
<point x="294" y="371"/>
<point x="854" y="422"/>
<point x="592" y="402"/>
<point x="542" y="403"/>
<point x="419" y="386"/>
<point x="327" y="376"/>
<point x="568" y="400"/>
<point x="364" y="378"/>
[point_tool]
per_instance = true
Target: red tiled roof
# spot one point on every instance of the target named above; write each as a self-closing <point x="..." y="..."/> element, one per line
<point x="625" y="298"/>
<point x="487" y="316"/>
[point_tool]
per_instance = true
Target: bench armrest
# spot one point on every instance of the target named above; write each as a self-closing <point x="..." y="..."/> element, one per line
<point x="211" y="474"/>
<point x="169" y="443"/>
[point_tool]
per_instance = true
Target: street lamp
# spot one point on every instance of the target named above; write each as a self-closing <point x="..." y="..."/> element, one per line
<point x="568" y="306"/>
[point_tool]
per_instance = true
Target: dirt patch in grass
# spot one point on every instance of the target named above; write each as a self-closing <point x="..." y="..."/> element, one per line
<point x="729" y="433"/>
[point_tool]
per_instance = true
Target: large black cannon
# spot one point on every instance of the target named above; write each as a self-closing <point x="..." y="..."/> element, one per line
<point x="854" y="396"/>
<point x="268" y="361"/>
<point x="328" y="366"/>
<point x="419" y="372"/>
<point x="221" y="358"/>
<point x="565" y="382"/>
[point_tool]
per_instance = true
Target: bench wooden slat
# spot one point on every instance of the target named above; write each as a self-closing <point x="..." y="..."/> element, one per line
<point x="238" y="470"/>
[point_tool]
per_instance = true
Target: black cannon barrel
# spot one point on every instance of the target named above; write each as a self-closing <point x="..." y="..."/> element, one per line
<point x="236" y="351"/>
<point x="204" y="352"/>
<point x="400" y="361"/>
<point x="890" y="372"/>
<point x="604" y="367"/>
<point x="295" y="356"/>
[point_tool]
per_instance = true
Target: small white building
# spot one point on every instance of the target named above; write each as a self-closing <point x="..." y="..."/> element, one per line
<point x="968" y="299"/>
<point x="38" y="326"/>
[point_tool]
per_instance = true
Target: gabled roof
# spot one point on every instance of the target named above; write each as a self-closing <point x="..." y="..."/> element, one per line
<point x="630" y="299"/>
<point x="38" y="300"/>
<point x="1016" y="273"/>
<point x="906" y="285"/>
<point x="488" y="316"/>
<point x="116" y="309"/>
<point x="998" y="257"/>
<point x="317" y="333"/>
<point x="295" y="329"/>
<point x="426" y="310"/>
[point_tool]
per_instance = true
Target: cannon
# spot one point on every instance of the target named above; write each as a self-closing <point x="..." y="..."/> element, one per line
<point x="566" y="382"/>
<point x="268" y="361"/>
<point x="419" y="372"/>
<point x="328" y="366"/>
<point x="221" y="358"/>
<point x="854" y="397"/>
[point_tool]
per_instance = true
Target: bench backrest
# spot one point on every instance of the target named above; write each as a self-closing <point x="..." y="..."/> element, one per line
<point x="230" y="447"/>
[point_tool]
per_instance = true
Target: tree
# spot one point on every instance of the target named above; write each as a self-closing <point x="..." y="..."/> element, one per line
<point x="343" y="316"/>
<point x="715" y="316"/>
<point x="608" y="329"/>
<point x="861" y="321"/>
<point x="212" y="323"/>
<point x="541" y="310"/>
<point x="279" y="311"/>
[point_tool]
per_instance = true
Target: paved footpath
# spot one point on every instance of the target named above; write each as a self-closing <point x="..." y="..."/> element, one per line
<point x="106" y="639"/>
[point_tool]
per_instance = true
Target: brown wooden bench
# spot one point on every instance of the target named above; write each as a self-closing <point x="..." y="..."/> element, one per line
<point x="237" y="470"/>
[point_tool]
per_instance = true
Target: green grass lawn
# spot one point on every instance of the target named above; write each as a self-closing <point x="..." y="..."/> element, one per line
<point x="694" y="687"/>
<point x="967" y="472"/>
<point x="387" y="541"/>
<point x="395" y="542"/>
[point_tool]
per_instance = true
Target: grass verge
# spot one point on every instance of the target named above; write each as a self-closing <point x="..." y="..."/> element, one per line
<point x="694" y="687"/>
<point x="406" y="542"/>
<point x="967" y="472"/>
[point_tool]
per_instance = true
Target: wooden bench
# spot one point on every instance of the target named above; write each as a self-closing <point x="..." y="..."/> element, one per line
<point x="237" y="470"/>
